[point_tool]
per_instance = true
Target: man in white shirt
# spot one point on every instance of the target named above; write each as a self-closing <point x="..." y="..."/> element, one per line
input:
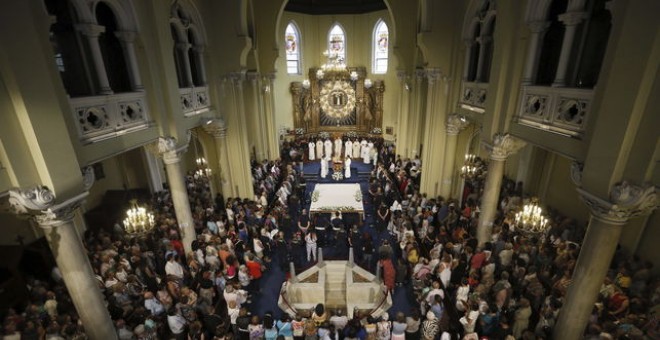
<point x="176" y="322"/>
<point x="172" y="267"/>
<point x="152" y="304"/>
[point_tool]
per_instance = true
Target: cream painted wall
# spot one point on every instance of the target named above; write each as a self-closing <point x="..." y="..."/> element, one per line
<point x="314" y="36"/>
<point x="561" y="193"/>
<point x="127" y="169"/>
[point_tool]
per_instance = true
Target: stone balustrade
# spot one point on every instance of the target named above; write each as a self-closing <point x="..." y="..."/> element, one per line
<point x="194" y="100"/>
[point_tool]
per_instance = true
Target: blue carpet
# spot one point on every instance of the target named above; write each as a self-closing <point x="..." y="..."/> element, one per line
<point x="271" y="281"/>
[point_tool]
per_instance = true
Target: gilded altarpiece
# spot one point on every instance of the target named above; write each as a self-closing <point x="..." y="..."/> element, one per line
<point x="338" y="101"/>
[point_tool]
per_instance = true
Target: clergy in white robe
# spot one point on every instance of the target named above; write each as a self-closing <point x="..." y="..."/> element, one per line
<point x="324" y="167"/>
<point x="319" y="149"/>
<point x="366" y="154"/>
<point x="374" y="156"/>
<point x="363" y="149"/>
<point x="348" y="148"/>
<point x="311" y="150"/>
<point x="338" y="144"/>
<point x="347" y="167"/>
<point x="328" y="149"/>
<point x="356" y="149"/>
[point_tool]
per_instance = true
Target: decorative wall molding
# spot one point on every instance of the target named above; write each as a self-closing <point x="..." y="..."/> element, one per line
<point x="474" y="95"/>
<point x="88" y="177"/>
<point x="576" y="173"/>
<point x="194" y="100"/>
<point x="626" y="201"/>
<point x="39" y="203"/>
<point x="216" y="127"/>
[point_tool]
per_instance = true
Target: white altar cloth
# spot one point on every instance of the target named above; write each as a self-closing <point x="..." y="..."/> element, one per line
<point x="339" y="196"/>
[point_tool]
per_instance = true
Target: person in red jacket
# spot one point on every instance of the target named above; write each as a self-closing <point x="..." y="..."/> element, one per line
<point x="254" y="268"/>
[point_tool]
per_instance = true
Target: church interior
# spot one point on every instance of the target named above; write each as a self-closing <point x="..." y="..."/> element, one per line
<point x="174" y="169"/>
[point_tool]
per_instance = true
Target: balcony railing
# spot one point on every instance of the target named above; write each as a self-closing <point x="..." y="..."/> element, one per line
<point x="556" y="109"/>
<point x="194" y="100"/>
<point x="473" y="96"/>
<point x="102" y="117"/>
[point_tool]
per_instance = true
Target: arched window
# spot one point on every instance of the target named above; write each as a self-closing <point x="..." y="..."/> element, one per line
<point x="380" y="41"/>
<point x="113" y="55"/>
<point x="337" y="43"/>
<point x="478" y="37"/>
<point x="568" y="42"/>
<point x="188" y="46"/>
<point x="93" y="46"/>
<point x="292" y="47"/>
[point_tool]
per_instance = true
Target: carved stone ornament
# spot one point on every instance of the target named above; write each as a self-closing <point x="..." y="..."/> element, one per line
<point x="216" y="127"/>
<point x="88" y="177"/>
<point x="576" y="173"/>
<point x="456" y="123"/>
<point x="626" y="201"/>
<point x="166" y="144"/>
<point x="23" y="201"/>
<point x="504" y="145"/>
<point x="38" y="203"/>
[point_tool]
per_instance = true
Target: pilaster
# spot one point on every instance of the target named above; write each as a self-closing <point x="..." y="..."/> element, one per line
<point x="218" y="130"/>
<point x="432" y="159"/>
<point x="454" y="125"/>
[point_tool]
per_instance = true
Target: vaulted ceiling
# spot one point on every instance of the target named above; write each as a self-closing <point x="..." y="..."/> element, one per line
<point x="318" y="7"/>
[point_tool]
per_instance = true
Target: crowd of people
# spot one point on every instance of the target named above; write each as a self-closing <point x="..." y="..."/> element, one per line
<point x="511" y="287"/>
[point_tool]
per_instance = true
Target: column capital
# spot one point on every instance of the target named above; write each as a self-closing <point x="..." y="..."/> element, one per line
<point x="216" y="128"/>
<point x="271" y="76"/>
<point x="126" y="36"/>
<point x="199" y="49"/>
<point x="504" y="145"/>
<point x="237" y="77"/>
<point x="572" y="18"/>
<point x="39" y="203"/>
<point x="538" y="26"/>
<point x="420" y="74"/>
<point x="401" y="75"/>
<point x="90" y="30"/>
<point x="626" y="201"/>
<point x="166" y="148"/>
<point x="455" y="123"/>
<point x="88" y="177"/>
<point x="252" y="76"/>
<point x="433" y="75"/>
<point x="183" y="46"/>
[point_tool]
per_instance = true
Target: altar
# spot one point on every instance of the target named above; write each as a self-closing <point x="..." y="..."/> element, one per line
<point x="344" y="197"/>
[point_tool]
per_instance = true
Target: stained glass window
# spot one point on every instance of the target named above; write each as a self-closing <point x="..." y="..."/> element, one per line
<point x="337" y="43"/>
<point x="381" y="40"/>
<point x="292" y="47"/>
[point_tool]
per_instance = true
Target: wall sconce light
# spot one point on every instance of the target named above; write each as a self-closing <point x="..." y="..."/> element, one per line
<point x="367" y="83"/>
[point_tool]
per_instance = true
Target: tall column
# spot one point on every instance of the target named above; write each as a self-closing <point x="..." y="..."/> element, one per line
<point x="503" y="146"/>
<point x="431" y="158"/>
<point x="218" y="130"/>
<point x="455" y="123"/>
<point x="605" y="226"/>
<point x="182" y="48"/>
<point x="201" y="68"/>
<point x="126" y="38"/>
<point x="57" y="222"/>
<point x="272" y="132"/>
<point x="403" y="118"/>
<point x="92" y="33"/>
<point x="175" y="178"/>
<point x="571" y="20"/>
<point x="481" y="62"/>
<point x="238" y="137"/>
<point x="538" y="29"/>
<point x="258" y="119"/>
<point x="153" y="167"/>
<point x="415" y="128"/>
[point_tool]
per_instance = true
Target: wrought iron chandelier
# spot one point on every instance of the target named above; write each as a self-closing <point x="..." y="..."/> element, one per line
<point x="202" y="169"/>
<point x="530" y="218"/>
<point x="138" y="220"/>
<point x="472" y="167"/>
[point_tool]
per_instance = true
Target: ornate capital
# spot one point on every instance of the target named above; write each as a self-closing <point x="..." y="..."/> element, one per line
<point x="401" y="75"/>
<point x="626" y="201"/>
<point x="166" y="148"/>
<point x="216" y="128"/>
<point x="38" y="203"/>
<point x="504" y="145"/>
<point x="237" y="78"/>
<point x="22" y="201"/>
<point x="455" y="123"/>
<point x="433" y="74"/>
<point x="576" y="173"/>
<point x="88" y="177"/>
<point x="252" y="76"/>
<point x="420" y="74"/>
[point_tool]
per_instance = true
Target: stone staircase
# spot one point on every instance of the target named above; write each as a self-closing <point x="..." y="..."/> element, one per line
<point x="335" y="284"/>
